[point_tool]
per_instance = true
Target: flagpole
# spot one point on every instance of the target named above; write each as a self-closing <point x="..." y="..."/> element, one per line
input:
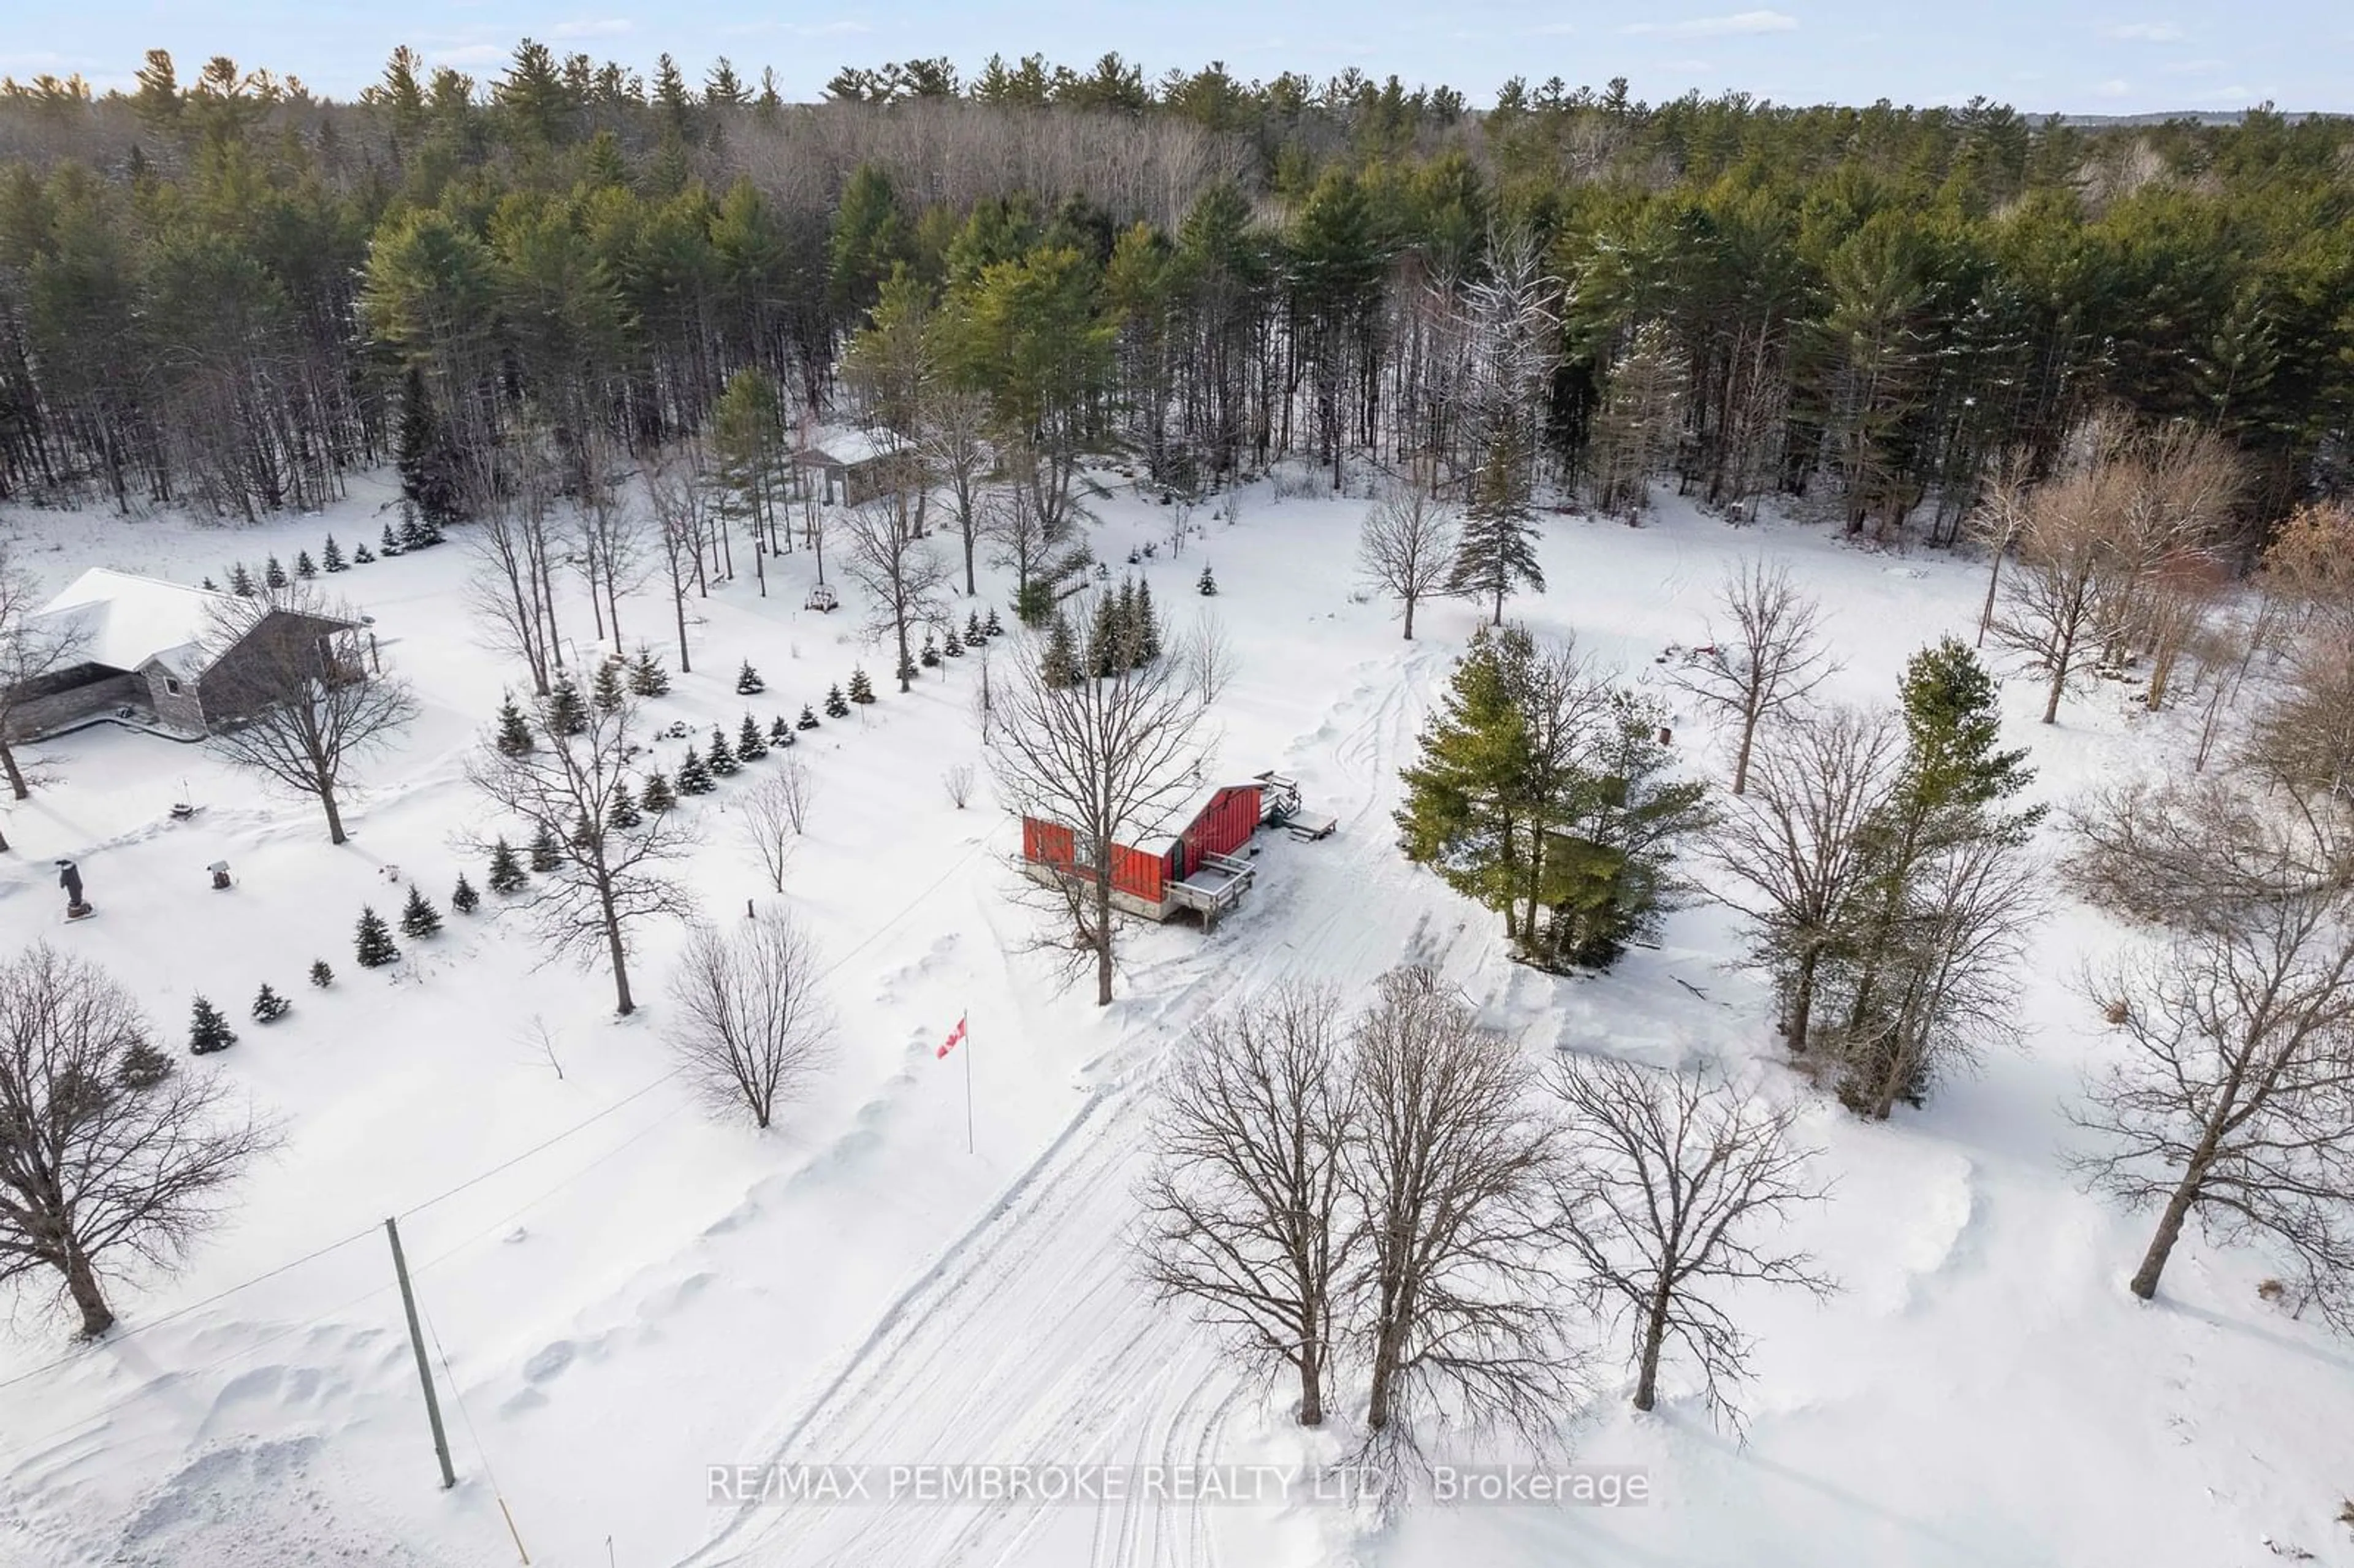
<point x="967" y="1082"/>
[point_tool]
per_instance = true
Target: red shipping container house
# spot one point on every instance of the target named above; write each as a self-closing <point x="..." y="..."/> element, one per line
<point x="1194" y="868"/>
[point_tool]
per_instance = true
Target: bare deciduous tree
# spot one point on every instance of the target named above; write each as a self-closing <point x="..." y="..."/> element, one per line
<point x="2235" y="1102"/>
<point x="678" y="504"/>
<point x="1796" y="845"/>
<point x="304" y="705"/>
<point x="1676" y="1184"/>
<point x="750" y="1027"/>
<point x="1108" y="761"/>
<point x="1247" y="1208"/>
<point x="31" y="650"/>
<point x="515" y="546"/>
<point x="952" y="438"/>
<point x="614" y="879"/>
<point x="771" y="814"/>
<point x="108" y="1156"/>
<point x="2304" y="740"/>
<point x="1768" y="660"/>
<point x="2052" y="600"/>
<point x="1407" y="548"/>
<point x="1449" y="1172"/>
<point x="957" y="781"/>
<point x="902" y="575"/>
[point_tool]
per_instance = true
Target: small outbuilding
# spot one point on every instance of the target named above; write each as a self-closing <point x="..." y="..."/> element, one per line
<point x="852" y="466"/>
<point x="1198" y="867"/>
<point x="180" y="656"/>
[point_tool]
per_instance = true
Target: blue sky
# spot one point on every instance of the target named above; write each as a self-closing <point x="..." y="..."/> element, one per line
<point x="2080" y="56"/>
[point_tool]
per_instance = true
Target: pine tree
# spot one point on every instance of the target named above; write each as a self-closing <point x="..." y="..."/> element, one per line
<point x="332" y="557"/>
<point x="658" y="796"/>
<point x="209" y="586"/>
<point x="142" y="1067"/>
<point x="751" y="745"/>
<point x="582" y="837"/>
<point x="1145" y="627"/>
<point x="748" y="682"/>
<point x="412" y="532"/>
<point x="462" y="897"/>
<point x="606" y="691"/>
<point x="428" y="464"/>
<point x="372" y="944"/>
<point x="388" y="541"/>
<point x="1495" y="546"/>
<point x="268" y="1007"/>
<point x="1461" y="815"/>
<point x="1209" y="584"/>
<point x="781" y="732"/>
<point x="809" y="720"/>
<point x="418" y="918"/>
<point x="931" y="653"/>
<point x="647" y="676"/>
<point x="951" y="645"/>
<point x="862" y="689"/>
<point x="305" y="567"/>
<point x="514" y="738"/>
<point x="208" y="1031"/>
<point x="972" y="630"/>
<point x="273" y="575"/>
<point x="321" y="975"/>
<point x="991" y="630"/>
<point x="363" y="556"/>
<point x="507" y="875"/>
<point x="240" y="581"/>
<point x="722" y="760"/>
<point x="621" y="812"/>
<point x="565" y="713"/>
<point x="1107" y="639"/>
<point x="836" y="705"/>
<point x="1059" y="666"/>
<point x="546" y="854"/>
<point x="694" y="776"/>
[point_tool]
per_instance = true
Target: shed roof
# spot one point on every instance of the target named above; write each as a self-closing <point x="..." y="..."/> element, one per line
<point x="125" y="622"/>
<point x="1163" y="842"/>
<point x="845" y="446"/>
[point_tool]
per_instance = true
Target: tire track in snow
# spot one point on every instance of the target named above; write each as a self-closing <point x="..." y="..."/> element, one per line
<point x="1030" y="1339"/>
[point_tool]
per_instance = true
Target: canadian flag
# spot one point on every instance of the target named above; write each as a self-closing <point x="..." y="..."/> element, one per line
<point x="955" y="1037"/>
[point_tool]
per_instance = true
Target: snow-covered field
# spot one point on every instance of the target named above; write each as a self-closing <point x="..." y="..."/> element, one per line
<point x="624" y="1289"/>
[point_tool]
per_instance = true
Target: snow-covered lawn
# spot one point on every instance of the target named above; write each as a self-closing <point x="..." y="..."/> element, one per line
<point x="627" y="1290"/>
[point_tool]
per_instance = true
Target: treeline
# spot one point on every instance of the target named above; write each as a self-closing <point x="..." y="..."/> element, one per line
<point x="230" y="293"/>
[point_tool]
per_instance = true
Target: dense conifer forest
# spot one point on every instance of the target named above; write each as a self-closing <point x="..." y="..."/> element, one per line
<point x="226" y="294"/>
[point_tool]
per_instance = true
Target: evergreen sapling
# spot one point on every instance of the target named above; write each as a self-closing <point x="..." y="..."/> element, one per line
<point x="507" y="875"/>
<point x="751" y="745"/>
<point x="208" y="1031"/>
<point x="321" y="975"/>
<point x="462" y="897"/>
<point x="268" y="1007"/>
<point x="372" y="944"/>
<point x="657" y="797"/>
<point x="748" y="682"/>
<point x="418" y="918"/>
<point x="722" y="761"/>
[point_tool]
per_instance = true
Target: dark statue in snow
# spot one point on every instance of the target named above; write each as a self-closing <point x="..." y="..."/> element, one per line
<point x="70" y="879"/>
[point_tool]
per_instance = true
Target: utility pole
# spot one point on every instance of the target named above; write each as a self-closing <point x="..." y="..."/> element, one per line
<point x="424" y="1367"/>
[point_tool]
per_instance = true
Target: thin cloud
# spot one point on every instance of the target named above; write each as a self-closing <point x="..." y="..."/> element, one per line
<point x="1687" y="68"/>
<point x="593" y="28"/>
<point x="2243" y="96"/>
<point x="2146" y="32"/>
<point x="1739" y="23"/>
<point x="2192" y="68"/>
<point x="471" y="53"/>
<point x="2115" y="87"/>
<point x="1553" y="30"/>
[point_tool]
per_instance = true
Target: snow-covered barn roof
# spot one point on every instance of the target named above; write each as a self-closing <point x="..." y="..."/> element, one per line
<point x="125" y="622"/>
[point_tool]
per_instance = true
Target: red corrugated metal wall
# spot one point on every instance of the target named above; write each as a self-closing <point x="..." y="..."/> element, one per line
<point x="1224" y="825"/>
<point x="1133" y="872"/>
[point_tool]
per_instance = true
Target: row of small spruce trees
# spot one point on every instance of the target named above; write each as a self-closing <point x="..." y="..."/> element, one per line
<point x="414" y="534"/>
